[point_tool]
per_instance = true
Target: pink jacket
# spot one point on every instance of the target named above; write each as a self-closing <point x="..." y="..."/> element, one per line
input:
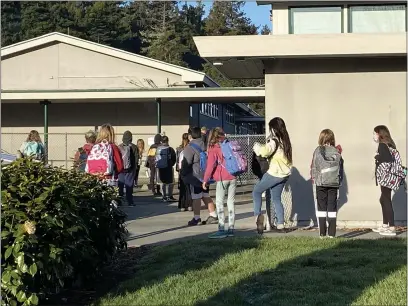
<point x="216" y="166"/>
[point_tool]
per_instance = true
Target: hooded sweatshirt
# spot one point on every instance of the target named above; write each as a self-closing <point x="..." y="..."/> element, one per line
<point x="150" y="161"/>
<point x="216" y="166"/>
<point x="191" y="162"/>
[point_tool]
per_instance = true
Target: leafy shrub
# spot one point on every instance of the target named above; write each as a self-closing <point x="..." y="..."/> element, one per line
<point x="57" y="226"/>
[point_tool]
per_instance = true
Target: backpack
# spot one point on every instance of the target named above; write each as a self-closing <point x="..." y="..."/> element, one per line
<point x="203" y="159"/>
<point x="162" y="157"/>
<point x="100" y="160"/>
<point x="260" y="165"/>
<point x="392" y="175"/>
<point x="235" y="160"/>
<point x="33" y="149"/>
<point x="328" y="173"/>
<point x="126" y="152"/>
<point x="151" y="152"/>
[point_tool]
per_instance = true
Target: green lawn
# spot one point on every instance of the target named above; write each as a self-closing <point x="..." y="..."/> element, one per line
<point x="280" y="271"/>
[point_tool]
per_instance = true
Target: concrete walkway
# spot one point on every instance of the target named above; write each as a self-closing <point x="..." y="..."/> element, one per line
<point x="155" y="222"/>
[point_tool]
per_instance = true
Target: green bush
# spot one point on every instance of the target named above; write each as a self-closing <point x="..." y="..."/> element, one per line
<point x="58" y="226"/>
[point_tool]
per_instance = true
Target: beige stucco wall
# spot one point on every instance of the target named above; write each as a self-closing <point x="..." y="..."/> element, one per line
<point x="69" y="122"/>
<point x="351" y="97"/>
<point x="62" y="66"/>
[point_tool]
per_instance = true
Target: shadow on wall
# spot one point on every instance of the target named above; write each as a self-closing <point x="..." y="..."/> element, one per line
<point x="303" y="198"/>
<point x="399" y="201"/>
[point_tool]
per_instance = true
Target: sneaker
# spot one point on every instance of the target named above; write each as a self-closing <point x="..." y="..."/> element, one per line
<point x="194" y="222"/>
<point x="230" y="233"/>
<point x="390" y="231"/>
<point x="171" y="199"/>
<point x="211" y="220"/>
<point x="165" y="200"/>
<point x="218" y="235"/>
<point x="260" y="224"/>
<point x="331" y="237"/>
<point x="182" y="209"/>
<point x="380" y="228"/>
<point x="190" y="209"/>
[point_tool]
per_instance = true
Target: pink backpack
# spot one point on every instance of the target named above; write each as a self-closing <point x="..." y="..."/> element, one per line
<point x="100" y="159"/>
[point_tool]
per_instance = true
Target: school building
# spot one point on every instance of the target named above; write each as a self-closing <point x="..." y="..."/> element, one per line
<point x="336" y="64"/>
<point x="64" y="86"/>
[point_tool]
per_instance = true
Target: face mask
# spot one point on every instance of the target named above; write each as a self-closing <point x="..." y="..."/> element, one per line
<point x="375" y="137"/>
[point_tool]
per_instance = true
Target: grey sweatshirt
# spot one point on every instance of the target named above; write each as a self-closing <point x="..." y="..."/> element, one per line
<point x="192" y="157"/>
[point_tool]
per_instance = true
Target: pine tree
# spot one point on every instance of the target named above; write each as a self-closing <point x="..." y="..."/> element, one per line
<point x="10" y="22"/>
<point x="36" y="19"/>
<point x="265" y="30"/>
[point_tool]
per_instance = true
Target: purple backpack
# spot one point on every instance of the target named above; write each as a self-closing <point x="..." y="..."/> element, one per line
<point x="235" y="160"/>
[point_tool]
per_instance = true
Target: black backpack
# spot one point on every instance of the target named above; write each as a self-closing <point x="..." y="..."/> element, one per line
<point x="260" y="165"/>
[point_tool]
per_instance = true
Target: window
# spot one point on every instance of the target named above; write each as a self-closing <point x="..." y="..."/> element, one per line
<point x="229" y="114"/>
<point x="209" y="109"/>
<point x="377" y="18"/>
<point x="316" y="20"/>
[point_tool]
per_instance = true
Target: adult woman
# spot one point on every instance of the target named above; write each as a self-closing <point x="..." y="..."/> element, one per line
<point x="184" y="202"/>
<point x="141" y="146"/>
<point x="33" y="146"/>
<point x="386" y="154"/>
<point x="279" y="153"/>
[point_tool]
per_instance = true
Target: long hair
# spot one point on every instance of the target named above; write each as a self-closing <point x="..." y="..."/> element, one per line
<point x="214" y="136"/>
<point x="141" y="145"/>
<point x="184" y="140"/>
<point x="107" y="133"/>
<point x="384" y="136"/>
<point x="326" y="137"/>
<point x="277" y="128"/>
<point x="34" y="136"/>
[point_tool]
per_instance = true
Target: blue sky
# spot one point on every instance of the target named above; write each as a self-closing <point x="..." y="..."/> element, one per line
<point x="258" y="14"/>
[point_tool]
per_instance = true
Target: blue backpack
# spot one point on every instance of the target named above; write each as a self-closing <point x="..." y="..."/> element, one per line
<point x="203" y="159"/>
<point x="235" y="160"/>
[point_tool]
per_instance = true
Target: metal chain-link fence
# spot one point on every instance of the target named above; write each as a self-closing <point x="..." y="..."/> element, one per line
<point x="247" y="142"/>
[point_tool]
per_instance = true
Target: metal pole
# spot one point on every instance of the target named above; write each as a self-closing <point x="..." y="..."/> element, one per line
<point x="66" y="150"/>
<point x="45" y="103"/>
<point x="158" y="103"/>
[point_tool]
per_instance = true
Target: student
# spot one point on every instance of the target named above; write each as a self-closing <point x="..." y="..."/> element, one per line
<point x="193" y="175"/>
<point x="130" y="157"/>
<point x="165" y="161"/>
<point x="141" y="149"/>
<point x="184" y="202"/>
<point x="151" y="164"/>
<point x="226" y="182"/>
<point x="327" y="174"/>
<point x="204" y="136"/>
<point x="105" y="159"/>
<point x="33" y="146"/>
<point x="279" y="151"/>
<point x="82" y="154"/>
<point x="390" y="174"/>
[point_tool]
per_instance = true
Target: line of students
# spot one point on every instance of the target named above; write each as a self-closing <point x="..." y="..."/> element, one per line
<point x="326" y="174"/>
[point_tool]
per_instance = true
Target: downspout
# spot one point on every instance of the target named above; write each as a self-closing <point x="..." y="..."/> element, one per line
<point x="45" y="104"/>
<point x="159" y="121"/>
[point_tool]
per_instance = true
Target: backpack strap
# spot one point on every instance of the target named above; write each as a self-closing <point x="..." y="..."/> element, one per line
<point x="197" y="147"/>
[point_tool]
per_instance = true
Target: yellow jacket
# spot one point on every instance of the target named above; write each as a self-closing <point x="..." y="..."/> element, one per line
<point x="279" y="166"/>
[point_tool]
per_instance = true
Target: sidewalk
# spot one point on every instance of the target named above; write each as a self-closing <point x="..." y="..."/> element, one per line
<point x="155" y="222"/>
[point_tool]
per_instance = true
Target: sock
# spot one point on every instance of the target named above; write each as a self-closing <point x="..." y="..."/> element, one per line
<point x="213" y="214"/>
<point x="196" y="217"/>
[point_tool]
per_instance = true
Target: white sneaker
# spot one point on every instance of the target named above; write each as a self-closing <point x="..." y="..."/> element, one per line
<point x="380" y="228"/>
<point x="390" y="231"/>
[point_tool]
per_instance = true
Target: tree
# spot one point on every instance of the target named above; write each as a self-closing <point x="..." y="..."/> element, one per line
<point x="265" y="30"/>
<point x="36" y="19"/>
<point x="10" y="22"/>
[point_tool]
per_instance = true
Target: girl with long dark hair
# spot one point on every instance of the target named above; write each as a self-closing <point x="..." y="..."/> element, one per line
<point x="386" y="155"/>
<point x="185" y="201"/>
<point x="279" y="152"/>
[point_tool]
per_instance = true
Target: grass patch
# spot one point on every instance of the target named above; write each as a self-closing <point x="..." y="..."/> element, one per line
<point x="280" y="271"/>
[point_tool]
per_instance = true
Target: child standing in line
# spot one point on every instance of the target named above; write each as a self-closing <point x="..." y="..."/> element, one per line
<point x="216" y="169"/>
<point x="327" y="174"/>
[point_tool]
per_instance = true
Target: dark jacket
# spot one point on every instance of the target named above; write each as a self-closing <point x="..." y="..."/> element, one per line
<point x="190" y="167"/>
<point x="134" y="150"/>
<point x="383" y="156"/>
<point x="166" y="174"/>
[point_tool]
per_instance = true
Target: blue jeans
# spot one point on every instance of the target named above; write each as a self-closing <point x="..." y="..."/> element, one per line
<point x="275" y="184"/>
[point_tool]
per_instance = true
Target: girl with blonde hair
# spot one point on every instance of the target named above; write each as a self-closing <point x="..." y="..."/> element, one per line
<point x="141" y="148"/>
<point x="105" y="159"/>
<point x="33" y="146"/>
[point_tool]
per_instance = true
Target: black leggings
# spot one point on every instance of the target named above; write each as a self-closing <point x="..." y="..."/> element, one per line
<point x="386" y="205"/>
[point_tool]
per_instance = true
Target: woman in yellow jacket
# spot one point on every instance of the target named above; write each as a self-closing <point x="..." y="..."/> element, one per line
<point x="278" y="150"/>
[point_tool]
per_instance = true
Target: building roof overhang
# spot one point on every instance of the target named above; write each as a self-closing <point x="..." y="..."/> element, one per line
<point x="243" y="56"/>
